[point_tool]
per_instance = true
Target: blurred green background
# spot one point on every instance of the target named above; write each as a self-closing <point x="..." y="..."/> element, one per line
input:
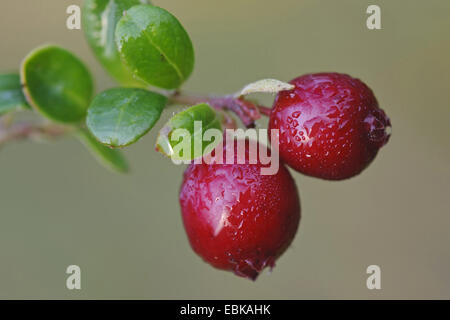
<point x="59" y="207"/>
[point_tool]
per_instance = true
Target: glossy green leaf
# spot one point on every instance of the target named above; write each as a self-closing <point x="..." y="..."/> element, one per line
<point x="110" y="158"/>
<point x="11" y="95"/>
<point x="155" y="46"/>
<point x="100" y="19"/>
<point x="183" y="137"/>
<point x="120" y="116"/>
<point x="57" y="84"/>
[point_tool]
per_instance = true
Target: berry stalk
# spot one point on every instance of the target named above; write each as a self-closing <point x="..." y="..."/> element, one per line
<point x="247" y="111"/>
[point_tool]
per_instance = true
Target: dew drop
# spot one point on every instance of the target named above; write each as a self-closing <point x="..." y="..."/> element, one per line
<point x="296" y="114"/>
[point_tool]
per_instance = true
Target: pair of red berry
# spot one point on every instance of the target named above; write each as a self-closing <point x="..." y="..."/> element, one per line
<point x="330" y="127"/>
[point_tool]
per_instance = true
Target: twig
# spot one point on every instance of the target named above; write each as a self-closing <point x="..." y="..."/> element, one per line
<point x="247" y="111"/>
<point x="28" y="130"/>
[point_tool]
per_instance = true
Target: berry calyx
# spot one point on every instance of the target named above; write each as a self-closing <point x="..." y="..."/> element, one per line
<point x="237" y="219"/>
<point x="330" y="125"/>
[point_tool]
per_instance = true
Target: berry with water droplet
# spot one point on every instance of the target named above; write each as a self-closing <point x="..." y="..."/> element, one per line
<point x="237" y="219"/>
<point x="338" y="122"/>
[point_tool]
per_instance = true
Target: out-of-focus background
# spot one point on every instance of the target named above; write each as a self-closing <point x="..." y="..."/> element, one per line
<point x="59" y="207"/>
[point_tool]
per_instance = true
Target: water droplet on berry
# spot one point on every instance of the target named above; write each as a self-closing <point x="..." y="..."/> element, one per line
<point x="296" y="114"/>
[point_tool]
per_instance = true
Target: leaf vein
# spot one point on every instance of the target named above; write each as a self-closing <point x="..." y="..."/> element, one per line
<point x="169" y="61"/>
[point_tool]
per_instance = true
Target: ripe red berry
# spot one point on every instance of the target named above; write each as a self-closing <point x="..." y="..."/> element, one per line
<point x="237" y="219"/>
<point x="330" y="125"/>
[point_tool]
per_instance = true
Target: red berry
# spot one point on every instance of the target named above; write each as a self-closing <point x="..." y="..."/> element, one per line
<point x="330" y="125"/>
<point x="237" y="219"/>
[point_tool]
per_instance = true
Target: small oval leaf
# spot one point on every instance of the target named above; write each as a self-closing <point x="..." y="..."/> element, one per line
<point x="11" y="95"/>
<point x="265" y="86"/>
<point x="155" y="46"/>
<point x="182" y="137"/>
<point x="111" y="158"/>
<point x="57" y="84"/>
<point x="100" y="19"/>
<point x="119" y="117"/>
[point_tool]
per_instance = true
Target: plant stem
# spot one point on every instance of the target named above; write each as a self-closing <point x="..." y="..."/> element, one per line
<point x="265" y="110"/>
<point x="28" y="130"/>
<point x="247" y="111"/>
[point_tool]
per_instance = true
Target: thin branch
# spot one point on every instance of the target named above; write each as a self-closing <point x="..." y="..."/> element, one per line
<point x="247" y="111"/>
<point x="28" y="130"/>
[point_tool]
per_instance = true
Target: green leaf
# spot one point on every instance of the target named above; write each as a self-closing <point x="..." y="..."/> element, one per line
<point x="57" y="84"/>
<point x="110" y="158"/>
<point x="155" y="46"/>
<point x="182" y="139"/>
<point x="119" y="117"/>
<point x="100" y="19"/>
<point x="11" y="95"/>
